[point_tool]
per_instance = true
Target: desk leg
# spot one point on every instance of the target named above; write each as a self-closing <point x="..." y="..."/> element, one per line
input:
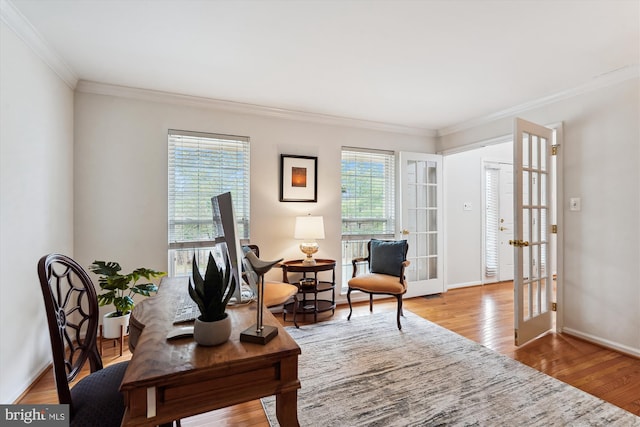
<point x="287" y="409"/>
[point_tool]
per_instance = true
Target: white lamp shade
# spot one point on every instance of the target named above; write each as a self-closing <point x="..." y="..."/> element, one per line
<point x="309" y="227"/>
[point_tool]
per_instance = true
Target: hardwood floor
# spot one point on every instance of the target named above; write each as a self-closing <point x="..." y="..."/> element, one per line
<point x="483" y="314"/>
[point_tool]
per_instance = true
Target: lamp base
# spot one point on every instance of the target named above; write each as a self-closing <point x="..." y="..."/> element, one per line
<point x="308" y="261"/>
<point x="309" y="248"/>
<point x="252" y="335"/>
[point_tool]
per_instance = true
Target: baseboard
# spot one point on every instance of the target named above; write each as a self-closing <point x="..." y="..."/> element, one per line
<point x="30" y="383"/>
<point x="463" y="285"/>
<point x="621" y="348"/>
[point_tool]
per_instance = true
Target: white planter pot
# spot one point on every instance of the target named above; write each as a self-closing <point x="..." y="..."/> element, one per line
<point x="111" y="325"/>
<point x="212" y="333"/>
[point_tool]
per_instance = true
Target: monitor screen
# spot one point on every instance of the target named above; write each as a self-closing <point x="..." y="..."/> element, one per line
<point x="225" y="227"/>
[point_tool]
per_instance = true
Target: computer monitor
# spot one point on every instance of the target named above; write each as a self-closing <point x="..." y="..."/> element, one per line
<point x="226" y="229"/>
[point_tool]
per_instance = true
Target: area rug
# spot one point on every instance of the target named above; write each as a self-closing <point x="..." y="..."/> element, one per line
<point x="365" y="372"/>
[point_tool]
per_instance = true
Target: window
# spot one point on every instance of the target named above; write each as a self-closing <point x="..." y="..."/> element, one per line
<point x="202" y="165"/>
<point x="368" y="201"/>
<point x="492" y="194"/>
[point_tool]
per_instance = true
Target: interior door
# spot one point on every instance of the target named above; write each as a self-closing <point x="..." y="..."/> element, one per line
<point x="420" y="183"/>
<point x="532" y="208"/>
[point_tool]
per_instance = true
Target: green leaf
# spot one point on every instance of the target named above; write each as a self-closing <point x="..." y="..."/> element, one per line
<point x="105" y="268"/>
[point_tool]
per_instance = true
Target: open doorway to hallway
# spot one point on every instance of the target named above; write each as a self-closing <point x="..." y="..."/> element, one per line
<point x="468" y="262"/>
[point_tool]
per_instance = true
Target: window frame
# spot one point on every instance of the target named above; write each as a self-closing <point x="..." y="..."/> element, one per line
<point x="355" y="244"/>
<point x="203" y="170"/>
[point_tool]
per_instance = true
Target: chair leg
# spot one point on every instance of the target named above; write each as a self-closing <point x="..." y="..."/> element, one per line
<point x="371" y="302"/>
<point x="100" y="347"/>
<point x="295" y="309"/>
<point x="399" y="298"/>
<point x="349" y="301"/>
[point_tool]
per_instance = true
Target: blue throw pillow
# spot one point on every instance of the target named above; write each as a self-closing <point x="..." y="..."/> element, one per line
<point x="386" y="257"/>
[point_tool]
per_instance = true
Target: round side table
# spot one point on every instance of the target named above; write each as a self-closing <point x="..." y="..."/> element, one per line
<point x="311" y="285"/>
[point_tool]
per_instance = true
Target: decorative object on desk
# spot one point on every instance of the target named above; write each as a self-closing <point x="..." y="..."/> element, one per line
<point x="119" y="289"/>
<point x="298" y="178"/>
<point x="308" y="229"/>
<point x="259" y="333"/>
<point x="212" y="294"/>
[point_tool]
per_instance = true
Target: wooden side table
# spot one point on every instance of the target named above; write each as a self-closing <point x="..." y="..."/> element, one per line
<point x="310" y="284"/>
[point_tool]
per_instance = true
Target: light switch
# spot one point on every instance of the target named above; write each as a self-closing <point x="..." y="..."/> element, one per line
<point x="466" y="206"/>
<point x="574" y="204"/>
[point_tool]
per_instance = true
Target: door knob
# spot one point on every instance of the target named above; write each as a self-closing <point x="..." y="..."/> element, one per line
<point x="405" y="231"/>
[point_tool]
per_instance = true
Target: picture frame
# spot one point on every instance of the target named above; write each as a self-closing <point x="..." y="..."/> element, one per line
<point x="298" y="178"/>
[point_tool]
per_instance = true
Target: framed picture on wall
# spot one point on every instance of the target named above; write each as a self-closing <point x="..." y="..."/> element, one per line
<point x="298" y="178"/>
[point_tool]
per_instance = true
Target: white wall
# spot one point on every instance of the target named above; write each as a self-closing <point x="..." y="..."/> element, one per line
<point x="600" y="155"/>
<point x="121" y="175"/>
<point x="36" y="204"/>
<point x="463" y="177"/>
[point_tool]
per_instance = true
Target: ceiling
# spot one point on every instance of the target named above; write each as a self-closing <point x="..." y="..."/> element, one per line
<point x="420" y="64"/>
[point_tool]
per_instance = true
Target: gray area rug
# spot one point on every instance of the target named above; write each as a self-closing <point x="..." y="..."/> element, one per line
<point x="365" y="372"/>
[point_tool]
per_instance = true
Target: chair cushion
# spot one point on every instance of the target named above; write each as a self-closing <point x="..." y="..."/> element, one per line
<point x="277" y="293"/>
<point x="97" y="399"/>
<point x="386" y="256"/>
<point x="378" y="283"/>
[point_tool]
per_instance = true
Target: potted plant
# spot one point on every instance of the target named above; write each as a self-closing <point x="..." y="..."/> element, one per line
<point x="119" y="289"/>
<point x="212" y="294"/>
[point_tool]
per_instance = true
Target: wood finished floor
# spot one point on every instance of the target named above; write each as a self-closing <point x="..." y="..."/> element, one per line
<point x="483" y="314"/>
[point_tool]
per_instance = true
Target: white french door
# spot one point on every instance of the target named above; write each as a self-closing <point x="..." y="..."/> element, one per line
<point x="420" y="183"/>
<point x="533" y="278"/>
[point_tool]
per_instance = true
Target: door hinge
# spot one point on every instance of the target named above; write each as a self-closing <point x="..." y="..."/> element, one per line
<point x="554" y="229"/>
<point x="554" y="306"/>
<point x="554" y="149"/>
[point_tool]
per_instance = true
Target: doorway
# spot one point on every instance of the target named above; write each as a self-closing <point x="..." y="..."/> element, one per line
<point x="497" y="221"/>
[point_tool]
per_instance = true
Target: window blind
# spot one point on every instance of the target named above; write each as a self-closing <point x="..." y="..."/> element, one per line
<point x="368" y="193"/>
<point x="492" y="212"/>
<point x="202" y="165"/>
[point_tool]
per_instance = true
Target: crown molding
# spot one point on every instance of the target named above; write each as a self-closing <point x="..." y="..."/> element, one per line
<point x="603" y="80"/>
<point x="32" y="38"/>
<point x="244" y="108"/>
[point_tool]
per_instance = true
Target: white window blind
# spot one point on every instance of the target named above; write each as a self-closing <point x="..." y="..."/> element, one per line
<point x="492" y="212"/>
<point x="202" y="165"/>
<point x="368" y="193"/>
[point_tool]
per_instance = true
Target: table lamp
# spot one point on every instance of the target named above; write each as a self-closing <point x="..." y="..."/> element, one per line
<point x="308" y="229"/>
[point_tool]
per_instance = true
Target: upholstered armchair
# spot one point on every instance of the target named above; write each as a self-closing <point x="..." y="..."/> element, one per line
<point x="387" y="260"/>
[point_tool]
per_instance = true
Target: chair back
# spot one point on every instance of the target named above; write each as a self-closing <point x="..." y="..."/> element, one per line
<point x="385" y="252"/>
<point x="72" y="314"/>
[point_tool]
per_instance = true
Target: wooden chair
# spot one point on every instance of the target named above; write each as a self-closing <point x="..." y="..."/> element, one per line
<point x="387" y="260"/>
<point x="72" y="314"/>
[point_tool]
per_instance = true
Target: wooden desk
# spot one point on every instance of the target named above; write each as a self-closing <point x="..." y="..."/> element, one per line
<point x="168" y="380"/>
